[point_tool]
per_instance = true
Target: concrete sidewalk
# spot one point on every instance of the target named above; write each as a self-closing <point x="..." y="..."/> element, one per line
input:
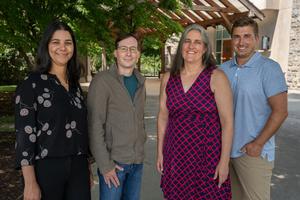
<point x="286" y="174"/>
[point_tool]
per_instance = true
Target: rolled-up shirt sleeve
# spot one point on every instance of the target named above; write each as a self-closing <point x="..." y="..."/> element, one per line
<point x="25" y="123"/>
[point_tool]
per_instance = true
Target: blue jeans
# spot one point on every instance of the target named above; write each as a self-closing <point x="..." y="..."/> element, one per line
<point x="130" y="184"/>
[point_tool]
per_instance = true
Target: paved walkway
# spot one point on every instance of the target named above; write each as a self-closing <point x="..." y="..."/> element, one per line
<point x="286" y="175"/>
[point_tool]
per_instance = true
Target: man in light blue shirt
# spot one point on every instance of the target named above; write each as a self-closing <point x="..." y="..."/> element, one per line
<point x="260" y="107"/>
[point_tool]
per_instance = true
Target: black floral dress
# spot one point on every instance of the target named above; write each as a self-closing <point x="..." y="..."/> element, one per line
<point x="49" y="120"/>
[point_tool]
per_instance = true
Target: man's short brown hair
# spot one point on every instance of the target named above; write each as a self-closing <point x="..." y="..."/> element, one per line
<point x="124" y="36"/>
<point x="245" y="21"/>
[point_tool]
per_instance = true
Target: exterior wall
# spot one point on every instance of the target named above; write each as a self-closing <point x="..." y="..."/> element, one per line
<point x="282" y="25"/>
<point x="266" y="4"/>
<point x="280" y="42"/>
<point x="293" y="72"/>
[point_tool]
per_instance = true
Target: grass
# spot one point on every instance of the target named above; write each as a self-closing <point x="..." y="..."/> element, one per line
<point x="7" y="88"/>
<point x="7" y="123"/>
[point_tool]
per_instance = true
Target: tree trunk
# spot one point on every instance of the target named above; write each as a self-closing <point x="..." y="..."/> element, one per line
<point x="30" y="64"/>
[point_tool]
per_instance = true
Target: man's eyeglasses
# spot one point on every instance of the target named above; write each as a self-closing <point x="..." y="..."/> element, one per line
<point x="125" y="49"/>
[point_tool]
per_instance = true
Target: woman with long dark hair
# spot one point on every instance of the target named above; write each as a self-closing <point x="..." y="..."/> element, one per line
<point x="195" y="123"/>
<point x="51" y="123"/>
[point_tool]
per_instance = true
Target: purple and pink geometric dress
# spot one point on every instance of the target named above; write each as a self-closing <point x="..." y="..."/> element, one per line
<point x="192" y="144"/>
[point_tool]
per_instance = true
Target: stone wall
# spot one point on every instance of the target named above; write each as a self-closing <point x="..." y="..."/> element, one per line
<point x="293" y="72"/>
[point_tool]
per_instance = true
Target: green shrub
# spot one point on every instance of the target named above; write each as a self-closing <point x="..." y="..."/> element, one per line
<point x="12" y="67"/>
<point x="150" y="65"/>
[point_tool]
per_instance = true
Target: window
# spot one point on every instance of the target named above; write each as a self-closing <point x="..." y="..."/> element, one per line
<point x="223" y="46"/>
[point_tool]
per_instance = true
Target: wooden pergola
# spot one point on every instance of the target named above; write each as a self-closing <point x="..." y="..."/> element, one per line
<point x="209" y="13"/>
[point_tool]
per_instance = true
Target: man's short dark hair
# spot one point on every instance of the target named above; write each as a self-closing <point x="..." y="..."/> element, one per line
<point x="245" y="21"/>
<point x="125" y="36"/>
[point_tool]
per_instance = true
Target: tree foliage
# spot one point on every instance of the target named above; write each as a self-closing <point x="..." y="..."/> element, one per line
<point x="95" y="22"/>
<point x="13" y="68"/>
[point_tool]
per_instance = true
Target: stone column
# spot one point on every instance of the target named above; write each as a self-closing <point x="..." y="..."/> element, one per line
<point x="293" y="72"/>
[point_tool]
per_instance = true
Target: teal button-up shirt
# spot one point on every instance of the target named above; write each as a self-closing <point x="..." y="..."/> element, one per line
<point x="252" y="84"/>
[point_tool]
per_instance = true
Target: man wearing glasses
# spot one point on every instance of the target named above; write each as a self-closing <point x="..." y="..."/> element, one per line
<point x="116" y="101"/>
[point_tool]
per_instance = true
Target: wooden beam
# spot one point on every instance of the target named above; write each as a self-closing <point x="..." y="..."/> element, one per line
<point x="190" y="15"/>
<point x="228" y="23"/>
<point x="204" y="17"/>
<point x="212" y="9"/>
<point x="229" y="5"/>
<point x="211" y="13"/>
<point x="250" y="6"/>
<point x="175" y="16"/>
<point x="181" y="14"/>
<point x="218" y="21"/>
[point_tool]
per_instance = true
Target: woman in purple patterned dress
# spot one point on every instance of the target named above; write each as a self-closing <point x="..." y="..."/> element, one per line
<point x="195" y="124"/>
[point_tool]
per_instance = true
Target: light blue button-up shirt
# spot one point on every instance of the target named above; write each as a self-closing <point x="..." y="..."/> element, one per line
<point x="252" y="84"/>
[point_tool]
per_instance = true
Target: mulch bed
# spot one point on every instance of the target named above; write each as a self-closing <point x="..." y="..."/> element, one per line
<point x="10" y="179"/>
<point x="7" y="103"/>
